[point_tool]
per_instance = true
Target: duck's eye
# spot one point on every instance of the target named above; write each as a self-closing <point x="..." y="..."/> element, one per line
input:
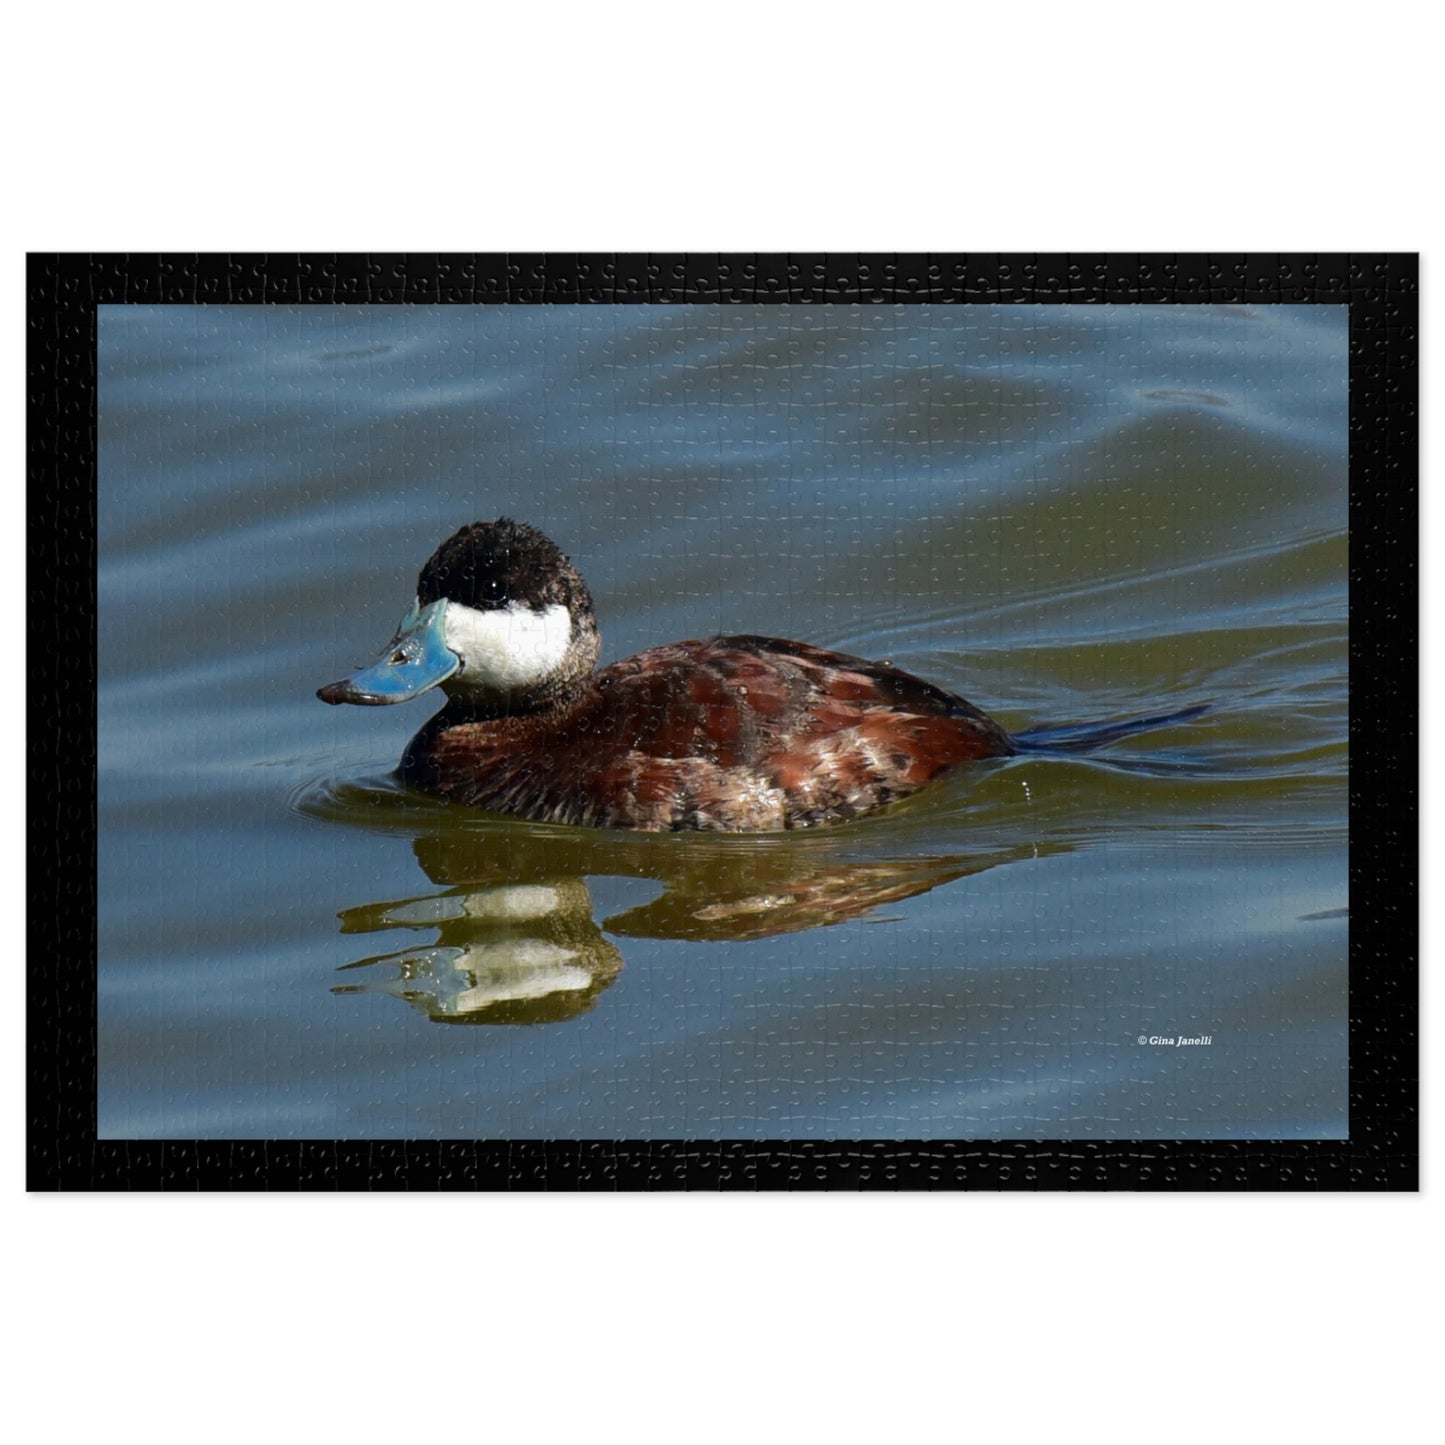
<point x="493" y="589"/>
<point x="398" y="657"/>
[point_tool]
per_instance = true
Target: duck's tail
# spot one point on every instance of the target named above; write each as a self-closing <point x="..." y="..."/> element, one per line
<point x="1084" y="737"/>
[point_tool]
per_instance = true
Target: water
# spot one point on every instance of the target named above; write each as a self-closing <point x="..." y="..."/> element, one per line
<point x="1063" y="513"/>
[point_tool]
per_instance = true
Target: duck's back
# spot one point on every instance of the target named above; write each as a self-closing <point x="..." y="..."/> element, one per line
<point x="737" y="734"/>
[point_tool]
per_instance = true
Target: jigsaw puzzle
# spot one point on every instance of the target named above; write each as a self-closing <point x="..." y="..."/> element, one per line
<point x="862" y="722"/>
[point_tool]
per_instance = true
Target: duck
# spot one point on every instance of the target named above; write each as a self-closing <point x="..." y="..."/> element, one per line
<point x="729" y="734"/>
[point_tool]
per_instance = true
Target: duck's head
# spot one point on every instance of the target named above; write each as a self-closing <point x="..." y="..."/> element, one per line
<point x="501" y="619"/>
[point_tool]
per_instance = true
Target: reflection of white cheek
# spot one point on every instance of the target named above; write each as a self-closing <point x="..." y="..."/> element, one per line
<point x="510" y="646"/>
<point x="512" y="972"/>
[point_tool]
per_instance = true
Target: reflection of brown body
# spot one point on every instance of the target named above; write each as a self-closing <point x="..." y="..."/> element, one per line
<point x="700" y="910"/>
<point x="710" y="890"/>
<point x="739" y="734"/>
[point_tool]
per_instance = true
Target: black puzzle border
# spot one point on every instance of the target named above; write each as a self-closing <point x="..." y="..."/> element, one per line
<point x="1381" y="290"/>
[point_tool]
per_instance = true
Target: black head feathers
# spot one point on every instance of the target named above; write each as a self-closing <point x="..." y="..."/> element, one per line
<point x="497" y="564"/>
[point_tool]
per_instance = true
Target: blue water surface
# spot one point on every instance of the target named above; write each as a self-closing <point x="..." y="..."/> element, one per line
<point x="1063" y="513"/>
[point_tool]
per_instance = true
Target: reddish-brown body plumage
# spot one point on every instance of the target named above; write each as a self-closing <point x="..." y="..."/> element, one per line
<point x="736" y="734"/>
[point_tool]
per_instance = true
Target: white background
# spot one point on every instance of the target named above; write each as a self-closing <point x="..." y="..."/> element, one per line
<point x="1131" y="127"/>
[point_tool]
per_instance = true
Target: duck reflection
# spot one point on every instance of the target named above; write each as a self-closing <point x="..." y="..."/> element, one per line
<point x="523" y="953"/>
<point x="516" y="941"/>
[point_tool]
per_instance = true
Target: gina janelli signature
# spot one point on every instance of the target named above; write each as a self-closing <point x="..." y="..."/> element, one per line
<point x="1171" y="1042"/>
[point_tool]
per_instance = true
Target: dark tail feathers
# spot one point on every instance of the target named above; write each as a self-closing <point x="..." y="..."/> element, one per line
<point x="1084" y="737"/>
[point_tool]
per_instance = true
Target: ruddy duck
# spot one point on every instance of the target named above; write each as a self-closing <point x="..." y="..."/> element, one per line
<point x="735" y="734"/>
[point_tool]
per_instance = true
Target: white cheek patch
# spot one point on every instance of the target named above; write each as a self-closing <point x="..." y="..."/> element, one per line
<point x="510" y="646"/>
